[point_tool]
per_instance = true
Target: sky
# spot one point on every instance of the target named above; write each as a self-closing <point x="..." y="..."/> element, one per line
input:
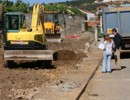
<point x="39" y="1"/>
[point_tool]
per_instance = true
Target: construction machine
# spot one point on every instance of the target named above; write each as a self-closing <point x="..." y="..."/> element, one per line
<point x="52" y="24"/>
<point x="22" y="43"/>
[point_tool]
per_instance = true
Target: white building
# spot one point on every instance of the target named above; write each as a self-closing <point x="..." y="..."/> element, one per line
<point x="89" y="14"/>
<point x="113" y="0"/>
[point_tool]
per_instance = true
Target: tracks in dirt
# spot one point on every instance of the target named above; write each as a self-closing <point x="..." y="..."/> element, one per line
<point x="88" y="81"/>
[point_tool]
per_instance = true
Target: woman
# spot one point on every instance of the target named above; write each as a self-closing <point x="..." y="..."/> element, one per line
<point x="108" y="48"/>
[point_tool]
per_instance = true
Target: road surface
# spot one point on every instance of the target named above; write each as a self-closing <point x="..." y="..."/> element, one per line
<point x="110" y="86"/>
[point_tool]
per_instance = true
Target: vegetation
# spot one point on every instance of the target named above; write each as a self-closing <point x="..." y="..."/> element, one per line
<point x="92" y="7"/>
<point x="78" y="3"/>
<point x="84" y="4"/>
<point x="62" y="8"/>
<point x="19" y="5"/>
<point x="74" y="4"/>
<point x="68" y="7"/>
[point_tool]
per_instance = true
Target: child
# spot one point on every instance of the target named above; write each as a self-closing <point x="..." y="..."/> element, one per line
<point x="108" y="47"/>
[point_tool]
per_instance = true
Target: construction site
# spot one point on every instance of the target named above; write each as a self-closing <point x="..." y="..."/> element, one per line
<point x="46" y="55"/>
<point x="28" y="79"/>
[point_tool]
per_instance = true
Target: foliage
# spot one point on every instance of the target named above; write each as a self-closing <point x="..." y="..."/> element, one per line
<point x="92" y="7"/>
<point x="77" y="3"/>
<point x="68" y="7"/>
<point x="62" y="8"/>
<point x="18" y="6"/>
<point x="83" y="4"/>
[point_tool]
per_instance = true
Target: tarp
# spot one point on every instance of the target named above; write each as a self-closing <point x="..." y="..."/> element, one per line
<point x="73" y="36"/>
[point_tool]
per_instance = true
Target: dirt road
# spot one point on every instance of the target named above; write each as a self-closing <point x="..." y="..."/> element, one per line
<point x="24" y="80"/>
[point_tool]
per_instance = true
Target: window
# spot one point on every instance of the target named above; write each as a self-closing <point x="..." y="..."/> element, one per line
<point x="13" y="22"/>
<point x="49" y="18"/>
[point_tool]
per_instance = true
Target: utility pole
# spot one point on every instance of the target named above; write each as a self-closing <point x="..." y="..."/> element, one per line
<point x="95" y="30"/>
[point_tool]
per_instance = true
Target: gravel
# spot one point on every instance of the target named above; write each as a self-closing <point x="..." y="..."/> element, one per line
<point x="67" y="87"/>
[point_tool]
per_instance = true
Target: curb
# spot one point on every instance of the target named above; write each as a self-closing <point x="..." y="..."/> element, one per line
<point x="91" y="76"/>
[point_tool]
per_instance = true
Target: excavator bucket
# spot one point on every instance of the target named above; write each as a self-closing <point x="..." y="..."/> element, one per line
<point x="17" y="55"/>
<point x="53" y="38"/>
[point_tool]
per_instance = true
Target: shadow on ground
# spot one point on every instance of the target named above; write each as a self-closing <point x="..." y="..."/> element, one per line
<point x="33" y="65"/>
<point x="122" y="67"/>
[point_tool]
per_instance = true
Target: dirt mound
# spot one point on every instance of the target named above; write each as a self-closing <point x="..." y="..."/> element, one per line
<point x="65" y="55"/>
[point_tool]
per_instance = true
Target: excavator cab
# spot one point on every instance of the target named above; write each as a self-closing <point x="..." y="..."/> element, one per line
<point x="52" y="26"/>
<point x="13" y="21"/>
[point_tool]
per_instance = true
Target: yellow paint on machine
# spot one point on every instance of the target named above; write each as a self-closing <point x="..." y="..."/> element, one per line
<point x="109" y="31"/>
<point x="49" y="25"/>
<point x="20" y="36"/>
<point x="27" y="36"/>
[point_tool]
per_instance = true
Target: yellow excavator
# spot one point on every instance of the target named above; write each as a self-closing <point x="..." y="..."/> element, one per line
<point x="52" y="24"/>
<point x="21" y="43"/>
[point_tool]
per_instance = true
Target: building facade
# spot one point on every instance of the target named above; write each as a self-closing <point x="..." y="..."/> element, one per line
<point x="113" y="0"/>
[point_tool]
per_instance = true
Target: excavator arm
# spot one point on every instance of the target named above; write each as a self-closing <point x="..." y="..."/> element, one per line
<point x="38" y="18"/>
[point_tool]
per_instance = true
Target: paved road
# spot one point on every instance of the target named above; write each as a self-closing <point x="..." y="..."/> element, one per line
<point x="110" y="86"/>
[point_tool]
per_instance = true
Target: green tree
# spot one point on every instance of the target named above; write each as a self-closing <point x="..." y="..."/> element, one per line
<point x="7" y="3"/>
<point x="19" y="6"/>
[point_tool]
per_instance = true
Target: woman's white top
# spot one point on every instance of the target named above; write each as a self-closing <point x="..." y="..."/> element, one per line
<point x="108" y="46"/>
<point x="101" y="46"/>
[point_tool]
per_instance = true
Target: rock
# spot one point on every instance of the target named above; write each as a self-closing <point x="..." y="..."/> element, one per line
<point x="59" y="82"/>
<point x="35" y="89"/>
<point x="20" y="97"/>
<point x="87" y="45"/>
<point x="12" y="82"/>
<point x="78" y="65"/>
<point x="10" y="96"/>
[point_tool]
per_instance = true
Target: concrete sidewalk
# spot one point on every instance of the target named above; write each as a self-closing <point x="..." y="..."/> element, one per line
<point x="110" y="86"/>
<point x="73" y="81"/>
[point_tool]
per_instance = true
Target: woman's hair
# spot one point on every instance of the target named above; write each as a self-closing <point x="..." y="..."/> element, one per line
<point x="107" y="38"/>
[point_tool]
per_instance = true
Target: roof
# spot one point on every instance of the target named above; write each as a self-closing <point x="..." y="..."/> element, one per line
<point x="85" y="11"/>
<point x="14" y="13"/>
